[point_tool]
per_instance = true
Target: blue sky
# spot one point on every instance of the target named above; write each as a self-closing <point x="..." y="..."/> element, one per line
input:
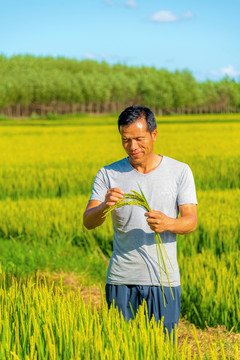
<point x="202" y="36"/>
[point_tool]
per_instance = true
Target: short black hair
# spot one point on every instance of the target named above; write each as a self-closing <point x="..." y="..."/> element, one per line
<point x="134" y="113"/>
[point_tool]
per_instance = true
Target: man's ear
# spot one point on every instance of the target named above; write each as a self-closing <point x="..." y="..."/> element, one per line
<point x="154" y="135"/>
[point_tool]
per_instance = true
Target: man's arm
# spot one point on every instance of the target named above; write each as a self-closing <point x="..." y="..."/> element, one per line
<point x="93" y="215"/>
<point x="187" y="223"/>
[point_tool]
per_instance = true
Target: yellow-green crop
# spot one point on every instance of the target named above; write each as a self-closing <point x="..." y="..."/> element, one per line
<point x="46" y="175"/>
<point x="42" y="321"/>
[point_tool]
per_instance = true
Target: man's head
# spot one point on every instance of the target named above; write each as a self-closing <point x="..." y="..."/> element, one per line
<point x="134" y="113"/>
<point x="137" y="126"/>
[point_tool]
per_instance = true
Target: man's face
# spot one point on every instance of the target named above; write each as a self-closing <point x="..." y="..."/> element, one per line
<point x="137" y="141"/>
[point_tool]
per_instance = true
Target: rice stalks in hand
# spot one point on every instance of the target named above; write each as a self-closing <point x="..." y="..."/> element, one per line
<point x="134" y="198"/>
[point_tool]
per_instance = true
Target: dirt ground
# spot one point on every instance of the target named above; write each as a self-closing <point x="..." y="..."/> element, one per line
<point x="185" y="329"/>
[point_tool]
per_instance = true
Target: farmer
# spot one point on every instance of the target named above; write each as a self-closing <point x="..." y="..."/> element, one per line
<point x="168" y="185"/>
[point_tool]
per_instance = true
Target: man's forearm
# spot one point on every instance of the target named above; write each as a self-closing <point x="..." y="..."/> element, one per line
<point x="94" y="217"/>
<point x="183" y="225"/>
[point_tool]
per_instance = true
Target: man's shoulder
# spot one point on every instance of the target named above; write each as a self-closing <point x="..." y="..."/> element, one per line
<point x="119" y="165"/>
<point x="175" y="164"/>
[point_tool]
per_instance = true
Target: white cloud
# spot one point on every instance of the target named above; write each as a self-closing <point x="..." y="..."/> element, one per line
<point x="188" y="15"/>
<point x="103" y="57"/>
<point x="163" y="16"/>
<point x="90" y="56"/>
<point x="106" y="57"/>
<point x="98" y="57"/>
<point x="220" y="73"/>
<point x="131" y="4"/>
<point x="230" y="71"/>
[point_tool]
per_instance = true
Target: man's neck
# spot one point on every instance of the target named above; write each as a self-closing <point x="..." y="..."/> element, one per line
<point x="149" y="165"/>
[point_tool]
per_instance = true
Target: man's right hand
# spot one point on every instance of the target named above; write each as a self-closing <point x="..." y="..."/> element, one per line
<point x="112" y="196"/>
<point x="94" y="213"/>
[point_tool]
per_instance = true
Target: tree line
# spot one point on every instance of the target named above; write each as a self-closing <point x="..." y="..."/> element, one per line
<point x="40" y="85"/>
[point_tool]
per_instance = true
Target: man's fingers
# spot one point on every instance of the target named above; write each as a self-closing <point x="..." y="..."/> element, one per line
<point x="153" y="214"/>
<point x="113" y="198"/>
<point x="113" y="195"/>
<point x="147" y="214"/>
<point x="152" y="221"/>
<point x="115" y="190"/>
<point x="110" y="203"/>
<point x="118" y="190"/>
<point x="150" y="214"/>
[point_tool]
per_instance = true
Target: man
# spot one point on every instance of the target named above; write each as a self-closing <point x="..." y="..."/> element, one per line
<point x="168" y="185"/>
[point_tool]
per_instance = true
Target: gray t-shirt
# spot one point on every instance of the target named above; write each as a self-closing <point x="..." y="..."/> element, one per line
<point x="134" y="260"/>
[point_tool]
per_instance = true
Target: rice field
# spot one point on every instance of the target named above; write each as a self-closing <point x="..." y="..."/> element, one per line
<point x="39" y="321"/>
<point x="46" y="174"/>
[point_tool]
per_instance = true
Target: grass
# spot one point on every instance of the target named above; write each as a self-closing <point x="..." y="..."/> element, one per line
<point x="24" y="258"/>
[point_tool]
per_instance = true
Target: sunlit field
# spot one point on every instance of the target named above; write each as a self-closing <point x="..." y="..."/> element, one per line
<point x="46" y="175"/>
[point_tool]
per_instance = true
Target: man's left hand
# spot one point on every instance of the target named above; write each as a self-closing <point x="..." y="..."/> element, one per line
<point x="158" y="221"/>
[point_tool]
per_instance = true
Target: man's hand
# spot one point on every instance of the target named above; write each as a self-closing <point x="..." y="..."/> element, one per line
<point x="112" y="196"/>
<point x="94" y="213"/>
<point x="157" y="221"/>
<point x="187" y="223"/>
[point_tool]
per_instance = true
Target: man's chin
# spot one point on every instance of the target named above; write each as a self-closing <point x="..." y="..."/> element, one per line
<point x="136" y="160"/>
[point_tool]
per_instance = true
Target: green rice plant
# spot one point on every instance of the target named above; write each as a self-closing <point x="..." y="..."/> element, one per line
<point x="65" y="161"/>
<point x="40" y="320"/>
<point x="139" y="200"/>
<point x="219" y="301"/>
<point x="46" y="175"/>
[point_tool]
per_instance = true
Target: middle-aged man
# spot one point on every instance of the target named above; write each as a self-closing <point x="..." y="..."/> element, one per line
<point x="168" y="185"/>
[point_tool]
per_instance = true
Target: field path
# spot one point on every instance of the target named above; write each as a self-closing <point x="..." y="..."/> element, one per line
<point x="205" y="337"/>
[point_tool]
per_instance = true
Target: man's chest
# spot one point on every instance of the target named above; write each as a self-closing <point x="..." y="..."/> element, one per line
<point x="160" y="192"/>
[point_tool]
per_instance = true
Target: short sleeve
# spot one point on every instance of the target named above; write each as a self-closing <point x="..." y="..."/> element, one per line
<point x="186" y="188"/>
<point x="100" y="186"/>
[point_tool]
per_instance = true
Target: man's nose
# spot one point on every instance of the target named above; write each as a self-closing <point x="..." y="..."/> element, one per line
<point x="133" y="145"/>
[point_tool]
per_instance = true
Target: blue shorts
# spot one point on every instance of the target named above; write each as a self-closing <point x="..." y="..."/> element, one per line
<point x="134" y="294"/>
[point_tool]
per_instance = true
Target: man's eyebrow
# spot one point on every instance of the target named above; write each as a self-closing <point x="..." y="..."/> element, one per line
<point x="136" y="137"/>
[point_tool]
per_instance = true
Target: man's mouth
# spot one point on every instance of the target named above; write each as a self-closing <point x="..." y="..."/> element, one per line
<point x="136" y="154"/>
